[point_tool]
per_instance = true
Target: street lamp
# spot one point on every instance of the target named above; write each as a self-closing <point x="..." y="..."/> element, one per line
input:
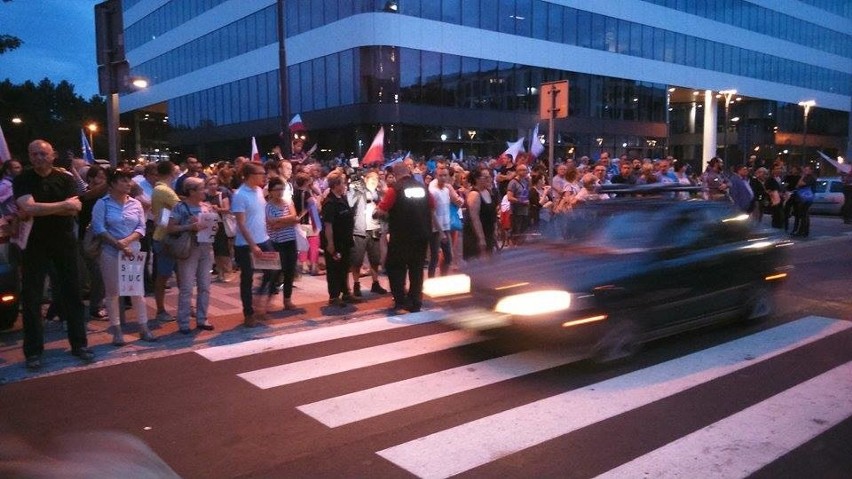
<point x="728" y="95"/>
<point x="807" y="104"/>
<point x="92" y="127"/>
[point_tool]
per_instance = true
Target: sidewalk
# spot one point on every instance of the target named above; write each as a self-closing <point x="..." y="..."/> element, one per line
<point x="225" y="313"/>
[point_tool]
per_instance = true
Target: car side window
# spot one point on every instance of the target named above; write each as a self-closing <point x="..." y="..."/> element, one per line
<point x="836" y="187"/>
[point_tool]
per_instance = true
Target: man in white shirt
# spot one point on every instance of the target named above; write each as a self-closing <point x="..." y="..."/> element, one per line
<point x="442" y="193"/>
<point x="249" y="208"/>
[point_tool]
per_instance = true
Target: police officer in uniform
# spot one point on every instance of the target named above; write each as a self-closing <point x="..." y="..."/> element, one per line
<point x="410" y="212"/>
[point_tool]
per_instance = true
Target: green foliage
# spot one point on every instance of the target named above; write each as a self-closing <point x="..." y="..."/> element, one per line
<point x="9" y="43"/>
<point x="53" y="112"/>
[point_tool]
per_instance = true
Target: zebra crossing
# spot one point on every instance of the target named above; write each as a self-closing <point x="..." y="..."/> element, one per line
<point x="760" y="433"/>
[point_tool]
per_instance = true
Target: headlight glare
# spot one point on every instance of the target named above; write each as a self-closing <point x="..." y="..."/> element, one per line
<point x="446" y="286"/>
<point x="534" y="303"/>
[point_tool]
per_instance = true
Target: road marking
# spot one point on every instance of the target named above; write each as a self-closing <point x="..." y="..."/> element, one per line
<point x="461" y="448"/>
<point x="361" y="358"/>
<point x="337" y="411"/>
<point x="742" y="443"/>
<point x="285" y="341"/>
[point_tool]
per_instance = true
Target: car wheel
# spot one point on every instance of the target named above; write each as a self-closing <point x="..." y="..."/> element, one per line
<point x="761" y="304"/>
<point x="620" y="341"/>
<point x="8" y="318"/>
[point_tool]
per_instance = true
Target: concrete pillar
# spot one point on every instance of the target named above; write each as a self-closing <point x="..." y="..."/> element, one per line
<point x="709" y="146"/>
<point x="693" y="112"/>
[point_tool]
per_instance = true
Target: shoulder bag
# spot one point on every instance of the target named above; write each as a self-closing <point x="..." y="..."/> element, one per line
<point x="92" y="243"/>
<point x="179" y="245"/>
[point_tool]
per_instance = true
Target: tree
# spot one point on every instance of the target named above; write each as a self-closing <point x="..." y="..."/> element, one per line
<point x="50" y="111"/>
<point x="8" y="42"/>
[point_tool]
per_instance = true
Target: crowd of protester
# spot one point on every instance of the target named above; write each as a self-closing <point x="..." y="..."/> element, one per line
<point x="321" y="217"/>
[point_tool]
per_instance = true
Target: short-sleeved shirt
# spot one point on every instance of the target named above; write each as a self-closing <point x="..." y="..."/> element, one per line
<point x="281" y="234"/>
<point x="341" y="216"/>
<point x="249" y="200"/>
<point x="521" y="190"/>
<point x="119" y="220"/>
<point x="55" y="187"/>
<point x="162" y="197"/>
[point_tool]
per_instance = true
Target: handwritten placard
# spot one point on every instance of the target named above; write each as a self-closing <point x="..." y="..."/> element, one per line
<point x="209" y="225"/>
<point x="131" y="274"/>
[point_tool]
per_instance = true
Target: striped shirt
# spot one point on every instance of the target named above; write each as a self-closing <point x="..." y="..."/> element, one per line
<point x="283" y="234"/>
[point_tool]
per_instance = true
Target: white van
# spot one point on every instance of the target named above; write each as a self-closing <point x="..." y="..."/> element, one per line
<point x="828" y="197"/>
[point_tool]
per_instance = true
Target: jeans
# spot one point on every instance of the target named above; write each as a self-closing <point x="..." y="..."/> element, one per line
<point x="242" y="254"/>
<point x="287" y="252"/>
<point x="194" y="272"/>
<point x="40" y="254"/>
<point x="435" y="243"/>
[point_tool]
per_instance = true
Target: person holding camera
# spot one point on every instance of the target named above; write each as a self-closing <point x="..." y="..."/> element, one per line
<point x="363" y="196"/>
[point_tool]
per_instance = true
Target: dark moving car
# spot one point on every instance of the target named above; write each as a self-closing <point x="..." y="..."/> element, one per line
<point x="616" y="273"/>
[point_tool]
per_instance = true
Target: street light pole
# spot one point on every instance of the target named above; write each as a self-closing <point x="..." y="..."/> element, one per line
<point x="728" y="94"/>
<point x="807" y="105"/>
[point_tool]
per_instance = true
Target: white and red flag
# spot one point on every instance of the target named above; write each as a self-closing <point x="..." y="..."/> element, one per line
<point x="536" y="146"/>
<point x="5" y="154"/>
<point x="376" y="152"/>
<point x="255" y="154"/>
<point x="514" y="148"/>
<point x="296" y="124"/>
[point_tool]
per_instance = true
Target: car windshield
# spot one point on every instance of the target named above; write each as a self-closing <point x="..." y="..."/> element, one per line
<point x="820" y="186"/>
<point x="617" y="231"/>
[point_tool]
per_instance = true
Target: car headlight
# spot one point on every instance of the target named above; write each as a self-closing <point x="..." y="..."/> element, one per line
<point x="534" y="303"/>
<point x="447" y="286"/>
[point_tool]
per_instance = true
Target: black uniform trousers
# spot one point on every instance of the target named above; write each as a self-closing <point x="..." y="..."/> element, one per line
<point x="37" y="260"/>
<point x="406" y="257"/>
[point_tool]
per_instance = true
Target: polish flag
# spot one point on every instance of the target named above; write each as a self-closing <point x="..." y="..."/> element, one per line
<point x="514" y="148"/>
<point x="536" y="146"/>
<point x="5" y="154"/>
<point x="296" y="124"/>
<point x="255" y="155"/>
<point x="376" y="153"/>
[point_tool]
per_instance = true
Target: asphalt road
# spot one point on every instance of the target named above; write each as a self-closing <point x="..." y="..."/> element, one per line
<point x="403" y="396"/>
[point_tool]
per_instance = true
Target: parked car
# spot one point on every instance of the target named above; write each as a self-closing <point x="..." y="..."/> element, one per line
<point x="614" y="274"/>
<point x="828" y="196"/>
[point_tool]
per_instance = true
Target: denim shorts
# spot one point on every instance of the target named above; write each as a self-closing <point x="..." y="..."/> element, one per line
<point x="166" y="263"/>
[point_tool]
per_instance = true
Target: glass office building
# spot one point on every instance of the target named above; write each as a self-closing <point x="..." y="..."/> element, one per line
<point x="447" y="75"/>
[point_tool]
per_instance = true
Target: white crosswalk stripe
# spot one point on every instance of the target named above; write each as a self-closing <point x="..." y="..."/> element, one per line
<point x="760" y="433"/>
<point x="469" y="445"/>
<point x="351" y="360"/>
<point x="286" y="341"/>
<point x="360" y="405"/>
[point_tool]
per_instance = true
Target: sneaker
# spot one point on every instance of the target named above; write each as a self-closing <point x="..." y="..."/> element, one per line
<point x="377" y="288"/>
<point x="34" y="362"/>
<point x="164" y="317"/>
<point x="100" y="315"/>
<point x="356" y="289"/>
<point x="337" y="302"/>
<point x="84" y="354"/>
<point x="205" y="327"/>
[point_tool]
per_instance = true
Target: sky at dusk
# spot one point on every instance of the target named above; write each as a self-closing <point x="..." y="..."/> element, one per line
<point x="58" y="42"/>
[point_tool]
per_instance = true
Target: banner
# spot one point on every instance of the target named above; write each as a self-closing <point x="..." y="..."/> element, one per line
<point x="209" y="225"/>
<point x="131" y="274"/>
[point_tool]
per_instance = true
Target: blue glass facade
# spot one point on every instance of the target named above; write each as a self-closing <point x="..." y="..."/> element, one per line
<point x="556" y="23"/>
<point x="249" y="99"/>
<point x="168" y="17"/>
<point x="244" y="35"/>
